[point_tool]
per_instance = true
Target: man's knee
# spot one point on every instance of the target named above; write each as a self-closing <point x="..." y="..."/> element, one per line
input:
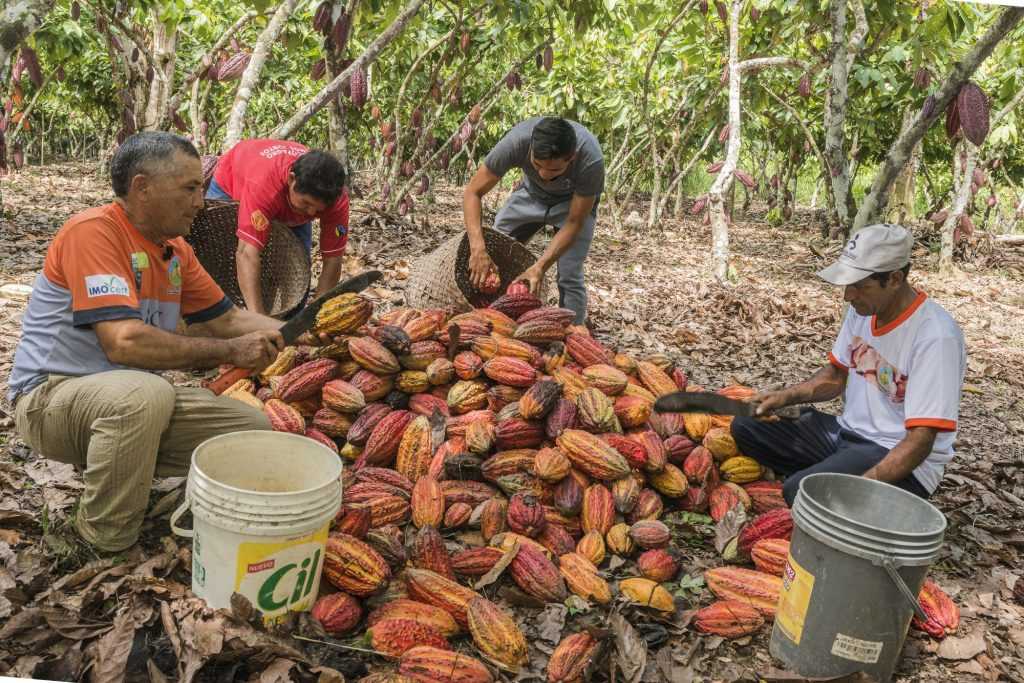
<point x="744" y="431"/>
<point x="243" y="417"/>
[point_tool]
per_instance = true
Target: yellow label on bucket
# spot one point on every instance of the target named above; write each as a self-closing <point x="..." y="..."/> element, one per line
<point x="797" y="585"/>
<point x="278" y="577"/>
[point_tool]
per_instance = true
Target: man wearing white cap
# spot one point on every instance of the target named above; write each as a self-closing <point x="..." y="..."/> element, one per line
<point x="898" y="362"/>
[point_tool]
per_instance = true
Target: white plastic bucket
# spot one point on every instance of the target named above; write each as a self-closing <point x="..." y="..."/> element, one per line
<point x="262" y="503"/>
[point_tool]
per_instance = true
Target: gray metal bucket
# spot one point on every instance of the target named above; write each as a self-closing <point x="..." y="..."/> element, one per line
<point x="858" y="557"/>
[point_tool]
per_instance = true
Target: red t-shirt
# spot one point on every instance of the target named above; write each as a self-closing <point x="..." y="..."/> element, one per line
<point x="255" y="173"/>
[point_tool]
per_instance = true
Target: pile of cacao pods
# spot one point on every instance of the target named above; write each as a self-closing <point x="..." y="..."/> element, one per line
<point x="511" y="421"/>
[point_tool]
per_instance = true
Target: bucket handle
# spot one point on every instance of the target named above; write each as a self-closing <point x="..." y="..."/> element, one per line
<point x="187" y="533"/>
<point x="890" y="567"/>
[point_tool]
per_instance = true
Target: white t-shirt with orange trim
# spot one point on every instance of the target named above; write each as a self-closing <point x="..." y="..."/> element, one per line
<point x="906" y="374"/>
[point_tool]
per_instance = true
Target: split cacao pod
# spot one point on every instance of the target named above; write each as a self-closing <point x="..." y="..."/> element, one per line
<point x="647" y="593"/>
<point x="943" y="614"/>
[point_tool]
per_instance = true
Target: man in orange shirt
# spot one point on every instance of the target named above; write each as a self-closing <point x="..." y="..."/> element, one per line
<point x="286" y="182"/>
<point x="102" y="322"/>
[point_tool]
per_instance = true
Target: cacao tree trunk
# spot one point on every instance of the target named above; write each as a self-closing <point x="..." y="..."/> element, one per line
<point x="719" y="188"/>
<point x="835" y="155"/>
<point x="904" y="189"/>
<point x="306" y="112"/>
<point x="203" y="64"/>
<point x="165" y="40"/>
<point x="18" y="20"/>
<point x="251" y="75"/>
<point x="875" y="201"/>
<point x="963" y="176"/>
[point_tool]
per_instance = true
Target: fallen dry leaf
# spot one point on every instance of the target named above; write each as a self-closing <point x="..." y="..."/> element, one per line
<point x="965" y="647"/>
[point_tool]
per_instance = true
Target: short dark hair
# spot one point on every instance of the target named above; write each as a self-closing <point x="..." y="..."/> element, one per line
<point x="320" y="175"/>
<point x="883" y="278"/>
<point x="141" y="152"/>
<point x="553" y="138"/>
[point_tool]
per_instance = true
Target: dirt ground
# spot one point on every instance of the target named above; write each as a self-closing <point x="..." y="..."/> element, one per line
<point x="66" y="614"/>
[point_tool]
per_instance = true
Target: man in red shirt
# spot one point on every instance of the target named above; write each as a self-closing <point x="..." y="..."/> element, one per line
<point x="285" y="182"/>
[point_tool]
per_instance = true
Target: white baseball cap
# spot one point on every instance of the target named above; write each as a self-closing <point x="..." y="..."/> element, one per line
<point x="880" y="248"/>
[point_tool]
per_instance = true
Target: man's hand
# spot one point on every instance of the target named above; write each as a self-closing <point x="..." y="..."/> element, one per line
<point x="256" y="350"/>
<point x="480" y="264"/>
<point x="771" y="400"/>
<point x="533" y="276"/>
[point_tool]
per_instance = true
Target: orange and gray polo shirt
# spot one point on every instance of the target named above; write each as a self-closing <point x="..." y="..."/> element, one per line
<point x="100" y="267"/>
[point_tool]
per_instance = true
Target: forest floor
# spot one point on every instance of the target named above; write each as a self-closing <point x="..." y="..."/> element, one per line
<point x="65" y="615"/>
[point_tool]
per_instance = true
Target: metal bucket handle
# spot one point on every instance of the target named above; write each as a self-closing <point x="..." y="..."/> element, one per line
<point x="890" y="567"/>
<point x="187" y="533"/>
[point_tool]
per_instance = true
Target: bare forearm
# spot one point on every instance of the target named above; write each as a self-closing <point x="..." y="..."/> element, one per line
<point x="247" y="262"/>
<point x="330" y="275"/>
<point x="234" y="323"/>
<point x="560" y="243"/>
<point x="905" y="456"/>
<point x="824" y="385"/>
<point x="150" y="348"/>
<point x="472" y="210"/>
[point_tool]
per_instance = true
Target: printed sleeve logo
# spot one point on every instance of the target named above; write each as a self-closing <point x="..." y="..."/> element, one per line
<point x="259" y="221"/>
<point x="106" y="285"/>
<point x="340" y="230"/>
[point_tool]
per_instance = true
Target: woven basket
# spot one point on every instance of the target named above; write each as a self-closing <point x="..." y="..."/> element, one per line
<point x="441" y="279"/>
<point x="284" y="263"/>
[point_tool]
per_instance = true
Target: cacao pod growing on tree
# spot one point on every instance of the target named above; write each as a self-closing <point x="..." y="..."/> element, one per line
<point x="358" y="91"/>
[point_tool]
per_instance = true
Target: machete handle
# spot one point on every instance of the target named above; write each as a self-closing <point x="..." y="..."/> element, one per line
<point x="224" y="380"/>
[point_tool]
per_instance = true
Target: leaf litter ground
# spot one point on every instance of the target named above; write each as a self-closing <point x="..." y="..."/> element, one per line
<point x="65" y="613"/>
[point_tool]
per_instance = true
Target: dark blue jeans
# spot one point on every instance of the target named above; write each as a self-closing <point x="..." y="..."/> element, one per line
<point x="304" y="232"/>
<point x="810" y="444"/>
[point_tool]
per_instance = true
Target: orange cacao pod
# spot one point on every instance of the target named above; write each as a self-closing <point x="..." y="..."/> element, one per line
<point x="427" y="503"/>
<point x="284" y="418"/>
<point x="355" y="522"/>
<point x="493" y="518"/>
<point x="698" y="465"/>
<point x="422" y="328"/>
<point x="338" y="613"/>
<point x="341" y="396"/>
<point x="754" y="588"/>
<point x="466" y="396"/>
<point x="608" y="379"/>
<point x="284" y="362"/>
<point x="770" y="555"/>
<point x="582" y="578"/>
<point x="598" y="509"/>
<point x="765" y="495"/>
<point x="353" y="566"/>
<point x="587" y="351"/>
<point x="468" y="365"/>
<point x="432" y="588"/>
<point x="394" y="637"/>
<point x="343" y="314"/>
<point x="772" y="524"/>
<point x="650" y="533"/>
<point x="720" y="443"/>
<point x="648" y="506"/>
<point x="539" y="399"/>
<point x="729" y="619"/>
<point x="457" y="515"/>
<point x="420" y="612"/>
<point x="388" y="510"/>
<point x="572" y="659"/>
<point x="550" y="465"/>
<point x="425" y="664"/>
<point x="525" y="515"/>
<point x="618" y="541"/>
<point x="415" y="449"/>
<point x="670" y="482"/>
<point x="382" y="446"/>
<point x="456" y="425"/>
<point x="422" y="354"/>
<point x="496" y="635"/>
<point x="440" y="371"/>
<point x="648" y="593"/>
<point x="332" y="423"/>
<point x="374" y="387"/>
<point x="943" y="614"/>
<point x="697" y="425"/>
<point x="469" y="492"/>
<point x="655" y="379"/>
<point x="632" y="411"/>
<point x="504" y="463"/>
<point x="657" y="565"/>
<point x="626" y="493"/>
<point x="373" y="356"/>
<point x="556" y="539"/>
<point x="475" y="561"/>
<point x="383" y="475"/>
<point x="501" y="324"/>
<point x="536" y="575"/>
<point x="592" y="455"/>
<point x="514" y="372"/>
<point x="654" y="447"/>
<point x="725" y="497"/>
<point x="591" y="546"/>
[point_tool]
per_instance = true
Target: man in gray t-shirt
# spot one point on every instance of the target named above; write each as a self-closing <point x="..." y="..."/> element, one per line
<point x="563" y="177"/>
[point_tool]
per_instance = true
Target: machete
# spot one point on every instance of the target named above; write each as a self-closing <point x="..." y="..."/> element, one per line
<point x="303" y="322"/>
<point x="709" y="402"/>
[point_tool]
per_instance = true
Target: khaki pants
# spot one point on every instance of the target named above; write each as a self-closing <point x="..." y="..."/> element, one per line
<point x="123" y="427"/>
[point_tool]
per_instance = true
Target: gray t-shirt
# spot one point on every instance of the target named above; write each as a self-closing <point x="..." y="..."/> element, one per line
<point x="585" y="176"/>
